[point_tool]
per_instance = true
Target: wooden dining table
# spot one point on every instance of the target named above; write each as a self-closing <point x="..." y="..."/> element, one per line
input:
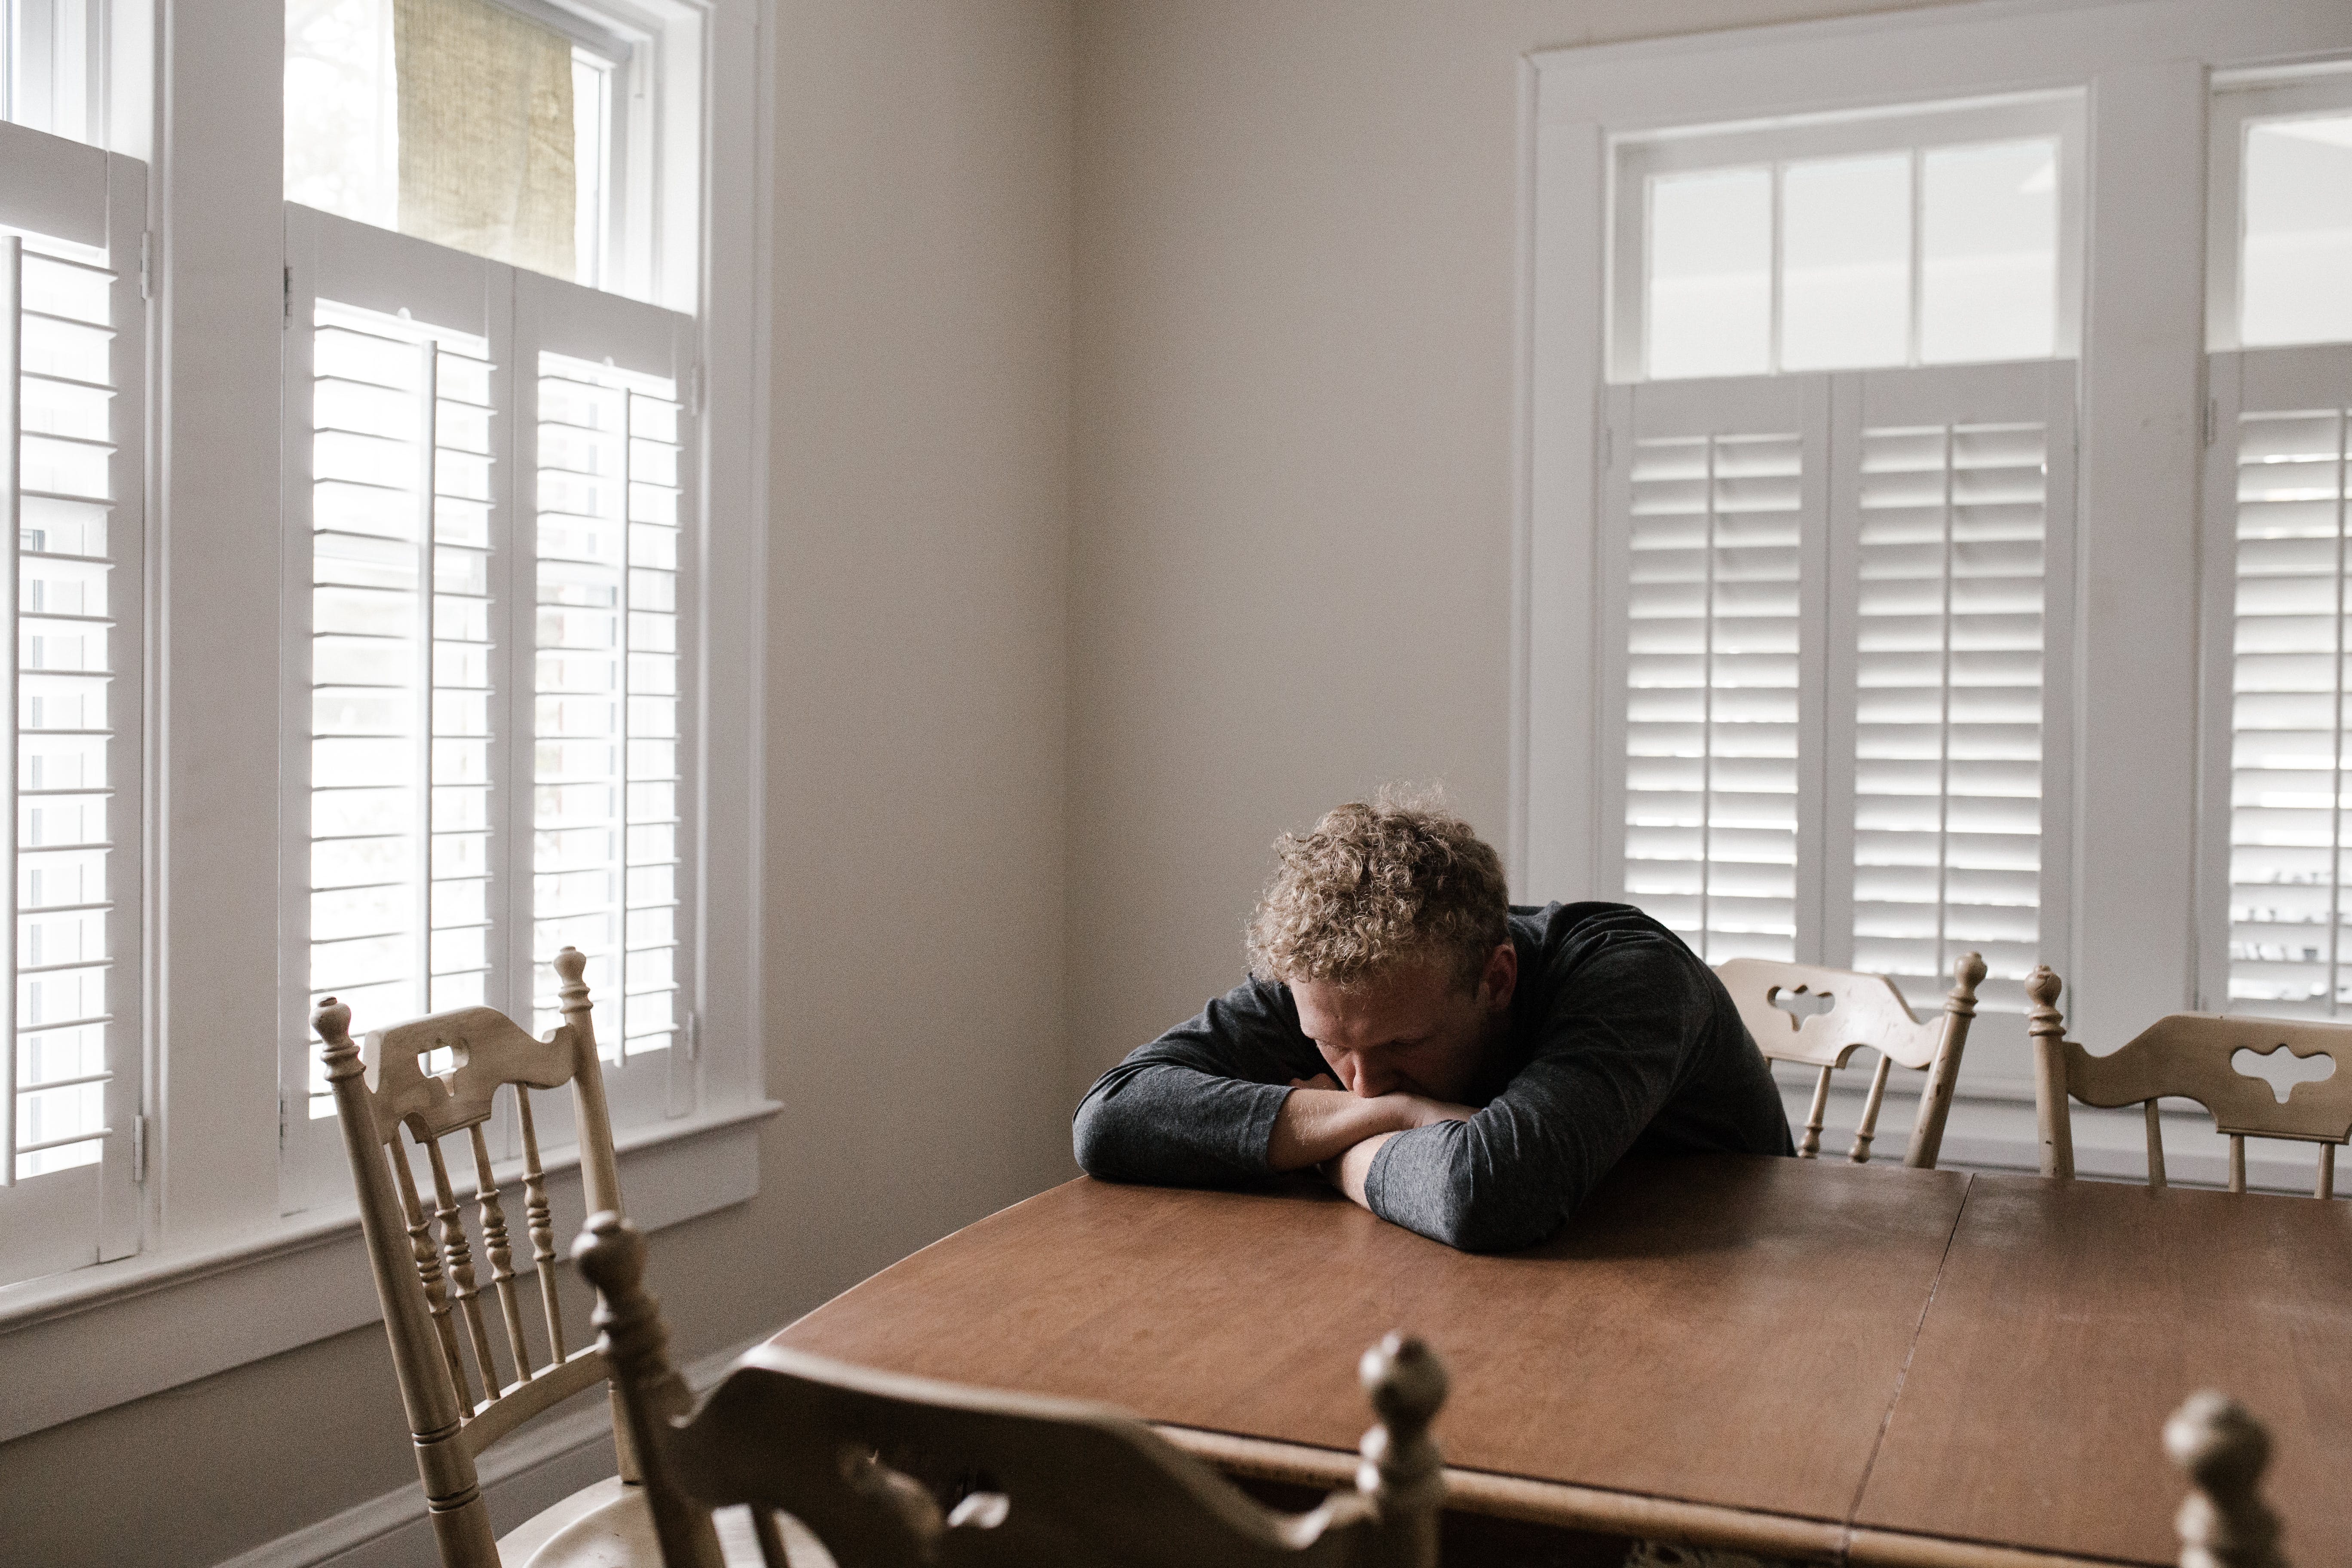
<point x="1808" y="1359"/>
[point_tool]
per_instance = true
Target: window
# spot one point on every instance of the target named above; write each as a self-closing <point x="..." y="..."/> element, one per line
<point x="72" y="326"/>
<point x="52" y="54"/>
<point x="2275" y="504"/>
<point x="510" y="129"/>
<point x="1928" y="238"/>
<point x="1831" y="679"/>
<point x="1836" y="580"/>
<point x="489" y="696"/>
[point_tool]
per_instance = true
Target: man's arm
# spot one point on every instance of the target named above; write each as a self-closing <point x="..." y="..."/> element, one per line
<point x="1608" y="1061"/>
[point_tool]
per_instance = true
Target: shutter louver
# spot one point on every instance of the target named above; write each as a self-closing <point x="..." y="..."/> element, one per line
<point x="606" y="754"/>
<point x="1949" y="705"/>
<point x="1711" y="714"/>
<point x="2286" y="739"/>
<point x="400" y="660"/>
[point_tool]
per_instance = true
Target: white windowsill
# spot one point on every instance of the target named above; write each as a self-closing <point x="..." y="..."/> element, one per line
<point x="77" y="1343"/>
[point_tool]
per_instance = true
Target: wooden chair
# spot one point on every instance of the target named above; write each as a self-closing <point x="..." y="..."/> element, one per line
<point x="447" y="1328"/>
<point x="1004" y="1478"/>
<point x="1843" y="1011"/>
<point x="2223" y="1522"/>
<point x="2190" y="1055"/>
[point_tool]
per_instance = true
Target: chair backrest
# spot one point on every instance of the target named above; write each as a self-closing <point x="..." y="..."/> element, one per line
<point x="445" y="1345"/>
<point x="890" y="1471"/>
<point x="1804" y="1013"/>
<point x="2191" y="1056"/>
<point x="2223" y="1522"/>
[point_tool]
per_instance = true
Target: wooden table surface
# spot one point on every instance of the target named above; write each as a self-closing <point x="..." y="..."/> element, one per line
<point x="1805" y="1357"/>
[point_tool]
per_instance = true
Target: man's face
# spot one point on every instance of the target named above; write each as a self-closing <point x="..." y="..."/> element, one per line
<point x="1414" y="1028"/>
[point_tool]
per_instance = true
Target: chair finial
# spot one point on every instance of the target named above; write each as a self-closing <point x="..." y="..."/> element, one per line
<point x="2223" y="1522"/>
<point x="1970" y="971"/>
<point x="571" y="963"/>
<point x="2042" y="986"/>
<point x="333" y="1023"/>
<point x="1402" y="1472"/>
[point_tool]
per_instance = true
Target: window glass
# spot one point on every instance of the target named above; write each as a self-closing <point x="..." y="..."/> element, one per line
<point x="2296" y="276"/>
<point x="1710" y="273"/>
<point x="457" y="120"/>
<point x="1846" y="263"/>
<point x="49" y="63"/>
<point x="1989" y="252"/>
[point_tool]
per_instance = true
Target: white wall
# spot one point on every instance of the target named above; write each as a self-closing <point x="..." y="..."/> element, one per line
<point x="914" y="965"/>
<point x="1291" y="560"/>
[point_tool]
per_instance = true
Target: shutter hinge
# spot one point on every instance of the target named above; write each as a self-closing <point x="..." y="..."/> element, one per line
<point x="693" y="1036"/>
<point x="1608" y="447"/>
<point x="2213" y="420"/>
<point x="147" y="264"/>
<point x="288" y="319"/>
<point x="137" y="1150"/>
<point x="694" y="391"/>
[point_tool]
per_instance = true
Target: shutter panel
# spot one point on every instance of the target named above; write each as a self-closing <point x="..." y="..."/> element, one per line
<point x="399" y="670"/>
<point x="606" y="866"/>
<point x="1945" y="537"/>
<point x="1716" y="490"/>
<point x="2283" y="489"/>
<point x="71" y="359"/>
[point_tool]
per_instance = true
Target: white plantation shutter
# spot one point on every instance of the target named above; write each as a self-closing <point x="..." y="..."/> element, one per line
<point x="72" y="351"/>
<point x="1831" y="688"/>
<point x="2277" y="493"/>
<point x="1720" y="492"/>
<point x="611" y="686"/>
<point x="400" y="654"/>
<point x="1953" y="530"/>
<point x="484" y="699"/>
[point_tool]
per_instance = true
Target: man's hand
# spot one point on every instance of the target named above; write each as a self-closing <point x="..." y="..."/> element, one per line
<point x="1321" y="1122"/>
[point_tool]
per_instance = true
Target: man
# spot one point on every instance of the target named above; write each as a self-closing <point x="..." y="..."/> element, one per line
<point x="1460" y="1066"/>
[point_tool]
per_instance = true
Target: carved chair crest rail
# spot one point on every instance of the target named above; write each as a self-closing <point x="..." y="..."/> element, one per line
<point x="1818" y="1016"/>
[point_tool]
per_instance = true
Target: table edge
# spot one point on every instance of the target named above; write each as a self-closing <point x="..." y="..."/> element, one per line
<point x="1563" y="1505"/>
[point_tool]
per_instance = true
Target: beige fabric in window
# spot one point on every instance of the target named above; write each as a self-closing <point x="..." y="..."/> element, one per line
<point x="486" y="148"/>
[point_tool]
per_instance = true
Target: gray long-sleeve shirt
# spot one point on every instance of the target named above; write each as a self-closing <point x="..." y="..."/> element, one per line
<point x="1620" y="1041"/>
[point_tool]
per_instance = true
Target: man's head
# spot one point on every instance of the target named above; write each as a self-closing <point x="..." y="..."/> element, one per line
<point x="1389" y="923"/>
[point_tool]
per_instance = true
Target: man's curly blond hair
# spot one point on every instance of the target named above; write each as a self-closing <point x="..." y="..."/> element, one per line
<point x="1396" y="880"/>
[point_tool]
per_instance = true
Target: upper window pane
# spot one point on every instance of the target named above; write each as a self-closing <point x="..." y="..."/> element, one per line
<point x="1846" y="263"/>
<point x="461" y="122"/>
<point x="1926" y="237"/>
<point x="49" y="66"/>
<point x="2296" y="277"/>
<point x="1710" y="252"/>
<point x="1988" y="253"/>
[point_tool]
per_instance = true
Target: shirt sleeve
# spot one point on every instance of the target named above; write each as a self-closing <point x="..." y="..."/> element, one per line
<point x="1196" y="1107"/>
<point x="1607" y="1059"/>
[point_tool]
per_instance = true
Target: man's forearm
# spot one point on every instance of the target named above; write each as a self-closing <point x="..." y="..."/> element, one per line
<point x="1318" y="1124"/>
<point x="1353" y="1168"/>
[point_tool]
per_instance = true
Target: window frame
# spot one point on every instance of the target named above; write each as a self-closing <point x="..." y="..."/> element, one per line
<point x="2143" y="68"/>
<point x="2240" y="98"/>
<point x="223" y="1276"/>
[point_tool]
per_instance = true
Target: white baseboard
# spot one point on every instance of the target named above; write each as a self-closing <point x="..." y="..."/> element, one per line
<point x="534" y="1469"/>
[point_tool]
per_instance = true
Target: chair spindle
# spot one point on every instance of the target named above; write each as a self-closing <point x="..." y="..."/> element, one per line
<point x="540" y="1217"/>
<point x="2237" y="1162"/>
<point x="2223" y="1522"/>
<point x="1809" y="1147"/>
<point x="428" y="1269"/>
<point x="771" y="1538"/>
<point x="495" y="1247"/>
<point x="2325" y="1187"/>
<point x="2155" y="1145"/>
<point x="1868" y="1127"/>
<point x="457" y="1258"/>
